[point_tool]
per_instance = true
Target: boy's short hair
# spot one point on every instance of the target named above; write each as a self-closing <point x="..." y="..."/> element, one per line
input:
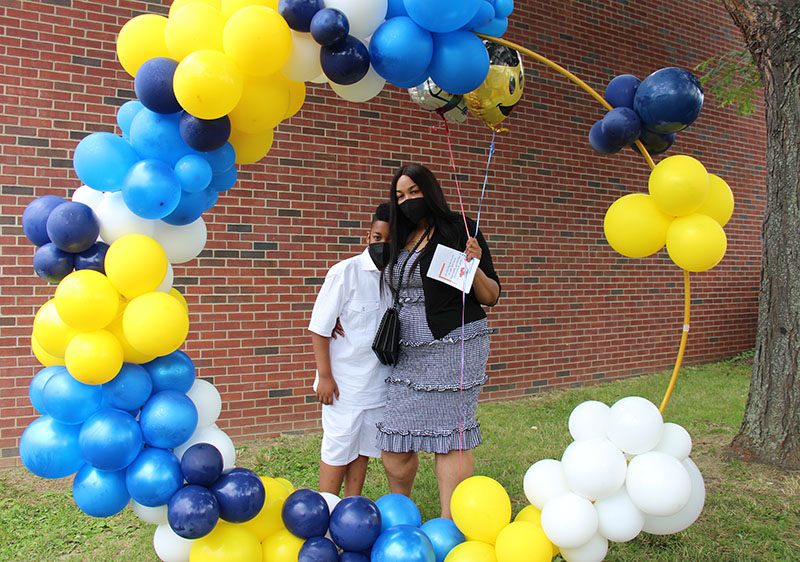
<point x="381" y="213"/>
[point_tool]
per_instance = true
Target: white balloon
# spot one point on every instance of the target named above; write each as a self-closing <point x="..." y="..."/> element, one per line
<point x="658" y="483"/>
<point x="181" y="243"/>
<point x="88" y="196"/>
<point x="303" y="63"/>
<point x="166" y="284"/>
<point x="543" y="481"/>
<point x="153" y="515"/>
<point x="594" y="468"/>
<point x="116" y="220"/>
<point x="635" y="425"/>
<point x="330" y="499"/>
<point x="593" y="551"/>
<point x="365" y="89"/>
<point x="618" y="519"/>
<point x="589" y="420"/>
<point x="320" y="79"/>
<point x="686" y="516"/>
<point x="213" y="436"/>
<point x="569" y="521"/>
<point x="675" y="441"/>
<point x="171" y="547"/>
<point x="363" y="17"/>
<point x="207" y="400"/>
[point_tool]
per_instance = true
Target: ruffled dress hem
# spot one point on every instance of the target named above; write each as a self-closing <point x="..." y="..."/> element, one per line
<point x="429" y="441"/>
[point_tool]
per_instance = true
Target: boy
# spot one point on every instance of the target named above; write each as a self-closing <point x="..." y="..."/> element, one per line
<point x="350" y="379"/>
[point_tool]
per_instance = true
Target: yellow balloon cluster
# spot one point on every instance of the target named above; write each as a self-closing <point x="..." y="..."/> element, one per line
<point x="686" y="209"/>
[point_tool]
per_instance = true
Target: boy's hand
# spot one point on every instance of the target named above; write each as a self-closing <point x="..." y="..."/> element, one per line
<point x="337" y="330"/>
<point x="327" y="390"/>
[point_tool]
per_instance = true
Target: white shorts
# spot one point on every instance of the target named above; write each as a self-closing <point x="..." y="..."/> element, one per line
<point x="349" y="432"/>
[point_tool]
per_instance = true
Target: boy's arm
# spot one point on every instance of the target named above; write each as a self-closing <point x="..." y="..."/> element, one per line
<point x="326" y="388"/>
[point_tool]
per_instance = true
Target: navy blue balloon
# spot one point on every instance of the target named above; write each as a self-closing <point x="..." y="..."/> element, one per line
<point x="329" y="26"/>
<point x="306" y="514"/>
<point x="401" y="51"/>
<point x="444" y="536"/>
<point x="223" y="181"/>
<point x="73" y="227"/>
<point x="153" y="85"/>
<point x="100" y="493"/>
<point x="52" y="264"/>
<point x="70" y="401"/>
<point x="355" y="523"/>
<point x="403" y="543"/>
<point x="189" y="209"/>
<point x="298" y="13"/>
<point x="221" y="159"/>
<point x="599" y="142"/>
<point x="94" y="257"/>
<point x="621" y="126"/>
<point x="153" y="477"/>
<point x="318" y="549"/>
<point x="130" y="389"/>
<point x="193" y="512"/>
<point x="669" y="100"/>
<point x="110" y="439"/>
<point x="168" y="419"/>
<point x="37" y="385"/>
<point x="174" y="371"/>
<point x="656" y="143"/>
<point x="353" y="557"/>
<point x="49" y="448"/>
<point x="202" y="464"/>
<point x="621" y="90"/>
<point x="345" y="62"/>
<point x="397" y="509"/>
<point x="205" y="135"/>
<point x="34" y="218"/>
<point x="240" y="495"/>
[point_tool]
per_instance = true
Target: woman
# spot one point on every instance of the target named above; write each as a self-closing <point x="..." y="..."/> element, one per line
<point x="430" y="406"/>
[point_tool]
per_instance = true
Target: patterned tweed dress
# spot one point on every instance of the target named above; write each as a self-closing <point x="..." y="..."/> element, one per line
<point x="428" y="407"/>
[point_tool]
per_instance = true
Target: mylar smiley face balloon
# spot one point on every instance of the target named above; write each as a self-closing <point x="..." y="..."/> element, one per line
<point x="496" y="98"/>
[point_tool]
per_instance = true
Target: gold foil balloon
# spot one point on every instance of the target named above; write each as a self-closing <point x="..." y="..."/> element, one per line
<point x="496" y="98"/>
<point x="433" y="98"/>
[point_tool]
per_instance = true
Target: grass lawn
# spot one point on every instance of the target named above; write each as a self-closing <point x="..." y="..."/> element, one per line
<point x="752" y="511"/>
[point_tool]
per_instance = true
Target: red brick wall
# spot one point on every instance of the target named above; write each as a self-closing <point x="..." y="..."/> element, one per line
<point x="572" y="310"/>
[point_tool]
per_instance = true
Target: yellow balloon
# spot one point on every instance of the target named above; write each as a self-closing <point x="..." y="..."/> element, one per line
<point x="46" y="359"/>
<point x="297" y="95"/>
<point x="679" y="185"/>
<point x="719" y="204"/>
<point x="86" y="300"/>
<point x="263" y="104"/>
<point x="471" y="551"/>
<point x="285" y="483"/>
<point x="227" y="543"/>
<point x="258" y="39"/>
<point x="208" y="84"/>
<point x="230" y="7"/>
<point x="193" y="27"/>
<point x="523" y="541"/>
<point x="696" y="242"/>
<point x="281" y="546"/>
<point x="269" y="520"/>
<point x="178" y="4"/>
<point x="250" y="148"/>
<point x="141" y="39"/>
<point x="481" y="508"/>
<point x="94" y="357"/>
<point x="136" y="264"/>
<point x="635" y="227"/>
<point x="530" y="513"/>
<point x="50" y="330"/>
<point x="155" y="324"/>
<point x="493" y="101"/>
<point x="179" y="297"/>
<point x="129" y="353"/>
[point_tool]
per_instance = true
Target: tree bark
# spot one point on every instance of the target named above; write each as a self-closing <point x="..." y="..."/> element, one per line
<point x="770" y="431"/>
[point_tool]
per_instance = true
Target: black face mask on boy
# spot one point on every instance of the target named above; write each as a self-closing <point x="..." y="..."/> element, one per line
<point x="379" y="252"/>
<point x="414" y="209"/>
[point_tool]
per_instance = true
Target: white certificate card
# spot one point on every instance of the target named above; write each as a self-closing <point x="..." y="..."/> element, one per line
<point x="451" y="267"/>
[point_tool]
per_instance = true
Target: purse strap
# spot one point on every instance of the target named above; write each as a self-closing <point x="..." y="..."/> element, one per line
<point x="408" y="257"/>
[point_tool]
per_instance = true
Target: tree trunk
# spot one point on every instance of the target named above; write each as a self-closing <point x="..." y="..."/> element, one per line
<point x="770" y="431"/>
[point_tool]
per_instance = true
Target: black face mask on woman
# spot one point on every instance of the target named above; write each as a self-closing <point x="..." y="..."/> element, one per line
<point x="414" y="209"/>
<point x="379" y="252"/>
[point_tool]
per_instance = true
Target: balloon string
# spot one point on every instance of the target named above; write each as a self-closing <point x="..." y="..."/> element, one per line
<point x="485" y="180"/>
<point x="455" y="171"/>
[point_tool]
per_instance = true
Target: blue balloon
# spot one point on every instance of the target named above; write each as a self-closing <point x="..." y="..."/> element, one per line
<point x="153" y="85"/>
<point x="151" y="189"/>
<point x="396" y="9"/>
<point x="298" y="13"/>
<point x="100" y="493"/>
<point x="168" y="419"/>
<point x="194" y="173"/>
<point x="153" y="477"/>
<point x="621" y="90"/>
<point x="397" y="509"/>
<point x="221" y="159"/>
<point x="204" y="135"/>
<point x="669" y="100"/>
<point x="70" y="401"/>
<point x="101" y="160"/>
<point x="656" y="143"/>
<point x="306" y="514"/>
<point x="223" y="181"/>
<point x="353" y="557"/>
<point x="442" y="16"/>
<point x="416" y="81"/>
<point x="599" y="142"/>
<point x="483" y="16"/>
<point x="495" y="28"/>
<point x="189" y="209"/>
<point x="621" y="126"/>
<point x="403" y="543"/>
<point x="49" y="448"/>
<point x="93" y="257"/>
<point x="318" y="549"/>
<point x="193" y="512"/>
<point x="34" y="218"/>
<point x="157" y="136"/>
<point x="401" y="50"/>
<point x="355" y="523"/>
<point x="125" y="115"/>
<point x="110" y="439"/>
<point x="240" y="494"/>
<point x="329" y="26"/>
<point x="503" y="8"/>
<point x="174" y="371"/>
<point x="460" y="62"/>
<point x="52" y="264"/>
<point x="73" y="227"/>
<point x="444" y="536"/>
<point x="345" y="62"/>
<point x="37" y="385"/>
<point x="211" y="198"/>
<point x="202" y="464"/>
<point x="129" y="389"/>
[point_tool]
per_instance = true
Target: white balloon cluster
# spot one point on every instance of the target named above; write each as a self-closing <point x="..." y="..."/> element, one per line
<point x="625" y="472"/>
